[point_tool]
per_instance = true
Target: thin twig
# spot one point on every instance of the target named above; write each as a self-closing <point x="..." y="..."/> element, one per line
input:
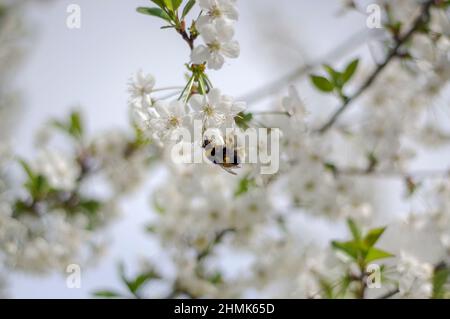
<point x="393" y="174"/>
<point x="389" y="294"/>
<point x="423" y="15"/>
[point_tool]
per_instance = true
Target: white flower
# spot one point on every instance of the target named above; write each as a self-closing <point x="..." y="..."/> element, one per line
<point x="217" y="9"/>
<point x="169" y="117"/>
<point x="141" y="86"/>
<point x="415" y="277"/>
<point x="124" y="167"/>
<point x="219" y="44"/>
<point x="294" y="105"/>
<point x="216" y="109"/>
<point x="61" y="171"/>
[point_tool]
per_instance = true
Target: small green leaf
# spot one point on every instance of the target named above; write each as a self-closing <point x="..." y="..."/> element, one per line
<point x="326" y="288"/>
<point x="376" y="254"/>
<point x="169" y="4"/>
<point x="158" y="207"/>
<point x="349" y="248"/>
<point x="156" y="12"/>
<point x="140" y="280"/>
<point x="91" y="206"/>
<point x="73" y="127"/>
<point x="159" y="3"/>
<point x="76" y="125"/>
<point x="26" y="167"/>
<point x="322" y="83"/>
<point x="121" y="271"/>
<point x="176" y="4"/>
<point x="59" y="125"/>
<point x="440" y="279"/>
<point x="373" y="236"/>
<point x="244" y="186"/>
<point x="331" y="167"/>
<point x="187" y="8"/>
<point x="350" y="70"/>
<point x="151" y="229"/>
<point x="243" y="120"/>
<point x="335" y="75"/>
<point x="106" y="294"/>
<point x="216" y="279"/>
<point x="354" y="229"/>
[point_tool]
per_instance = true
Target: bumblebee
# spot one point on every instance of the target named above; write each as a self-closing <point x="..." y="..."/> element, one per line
<point x="223" y="155"/>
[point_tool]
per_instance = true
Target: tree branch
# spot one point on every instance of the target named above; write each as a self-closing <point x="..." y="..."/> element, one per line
<point x="389" y="294"/>
<point x="280" y="83"/>
<point x="393" y="174"/>
<point x="422" y="17"/>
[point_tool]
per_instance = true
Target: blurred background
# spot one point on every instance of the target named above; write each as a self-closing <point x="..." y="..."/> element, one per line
<point x="88" y="68"/>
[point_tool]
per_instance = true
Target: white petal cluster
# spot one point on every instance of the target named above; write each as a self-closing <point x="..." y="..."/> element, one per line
<point x="140" y="87"/>
<point x="217" y="30"/>
<point x="199" y="202"/>
<point x="415" y="277"/>
<point x="215" y="109"/>
<point x="60" y="170"/>
<point x="46" y="243"/>
<point x="161" y="119"/>
<point x="123" y="165"/>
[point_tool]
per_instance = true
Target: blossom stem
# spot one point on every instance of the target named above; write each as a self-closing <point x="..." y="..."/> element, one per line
<point x="168" y="88"/>
<point x="202" y="85"/>
<point x="283" y="113"/>
<point x="187" y="88"/>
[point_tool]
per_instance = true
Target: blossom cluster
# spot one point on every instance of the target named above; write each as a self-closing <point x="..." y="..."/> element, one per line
<point x="251" y="235"/>
<point x="216" y="28"/>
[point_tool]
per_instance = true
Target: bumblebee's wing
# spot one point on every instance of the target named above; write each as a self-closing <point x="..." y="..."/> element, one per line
<point x="228" y="170"/>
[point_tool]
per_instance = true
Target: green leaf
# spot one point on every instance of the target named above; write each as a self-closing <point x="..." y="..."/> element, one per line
<point x="158" y="207"/>
<point x="376" y="254"/>
<point x="216" y="279"/>
<point x="243" y="120"/>
<point x="350" y="70"/>
<point x="151" y="229"/>
<point x="440" y="279"/>
<point x="37" y="186"/>
<point x="73" y="127"/>
<point x="169" y="4"/>
<point x="142" y="279"/>
<point x="187" y="8"/>
<point x="76" y="125"/>
<point x="331" y="167"/>
<point x="326" y="288"/>
<point x="176" y="4"/>
<point x="159" y="3"/>
<point x="106" y="294"/>
<point x="26" y="167"/>
<point x="156" y="12"/>
<point x="59" y="125"/>
<point x="356" y="233"/>
<point x="350" y="248"/>
<point x="373" y="236"/>
<point x="244" y="186"/>
<point x="335" y="75"/>
<point x="322" y="83"/>
<point x="91" y="206"/>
